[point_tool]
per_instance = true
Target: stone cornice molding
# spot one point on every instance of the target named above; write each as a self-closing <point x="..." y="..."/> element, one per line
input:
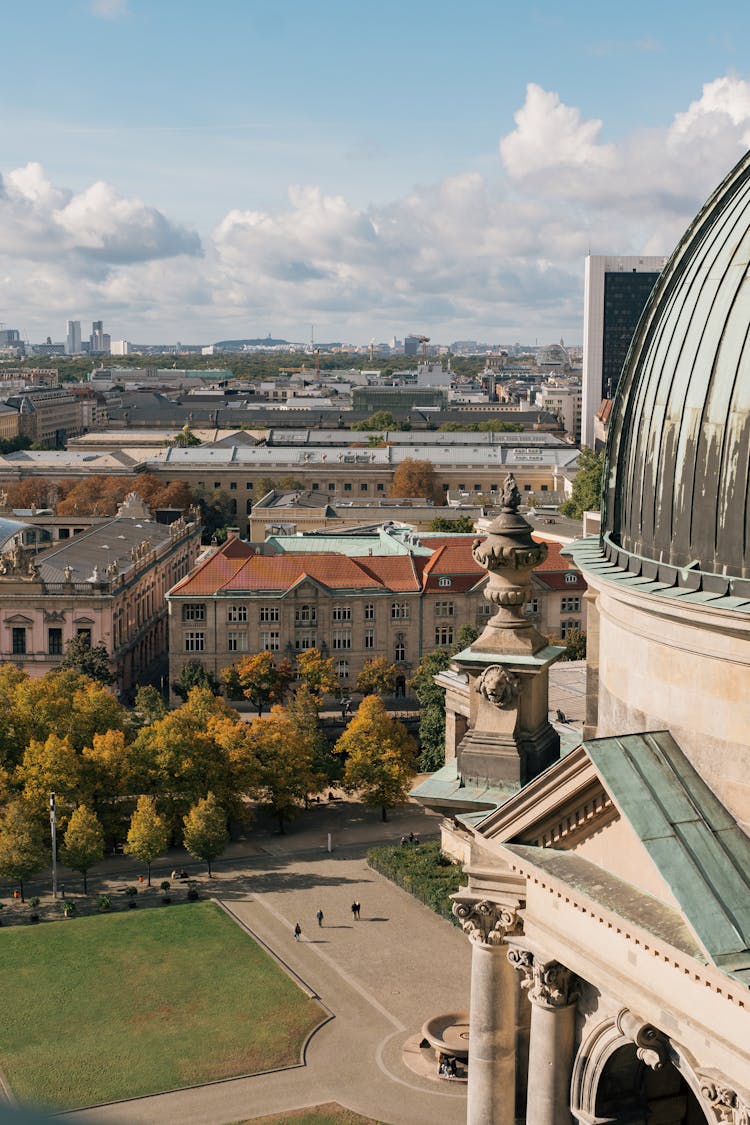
<point x="547" y="983"/>
<point x="726" y="1104"/>
<point x="486" y="922"/>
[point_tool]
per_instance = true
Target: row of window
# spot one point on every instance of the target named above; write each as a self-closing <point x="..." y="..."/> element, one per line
<point x="19" y="646"/>
<point x="270" y="641"/>
<point x="303" y="614"/>
<point x="364" y="486"/>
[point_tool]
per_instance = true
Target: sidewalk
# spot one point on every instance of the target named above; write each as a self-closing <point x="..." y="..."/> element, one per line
<point x="381" y="977"/>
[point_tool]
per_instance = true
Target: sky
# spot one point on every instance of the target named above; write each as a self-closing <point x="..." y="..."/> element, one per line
<point x="199" y="170"/>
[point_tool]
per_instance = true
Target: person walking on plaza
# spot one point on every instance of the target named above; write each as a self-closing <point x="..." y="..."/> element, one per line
<point x="319" y="916"/>
<point x="297" y="932"/>
<point x="355" y="909"/>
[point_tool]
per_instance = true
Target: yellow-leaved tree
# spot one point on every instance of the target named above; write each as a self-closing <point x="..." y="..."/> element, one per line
<point x="84" y="842"/>
<point x="285" y="762"/>
<point x="380" y="756"/>
<point x="148" y="835"/>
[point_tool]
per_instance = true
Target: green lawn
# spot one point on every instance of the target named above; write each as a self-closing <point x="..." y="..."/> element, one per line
<point x="109" y="1007"/>
<point x="318" y="1115"/>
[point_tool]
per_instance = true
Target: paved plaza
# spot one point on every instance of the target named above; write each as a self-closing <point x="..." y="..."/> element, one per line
<point x="379" y="977"/>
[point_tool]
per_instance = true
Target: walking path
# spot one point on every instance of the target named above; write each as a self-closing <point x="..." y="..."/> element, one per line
<point x="381" y="977"/>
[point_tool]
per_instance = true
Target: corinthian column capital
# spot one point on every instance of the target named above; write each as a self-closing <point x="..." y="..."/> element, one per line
<point x="486" y="922"/>
<point x="548" y="983"/>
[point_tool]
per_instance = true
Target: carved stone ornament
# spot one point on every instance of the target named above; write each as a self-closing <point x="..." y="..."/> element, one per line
<point x="548" y="983"/>
<point x="652" y="1046"/>
<point x="485" y="921"/>
<point x="726" y="1104"/>
<point x="499" y="686"/>
<point x="19" y="562"/>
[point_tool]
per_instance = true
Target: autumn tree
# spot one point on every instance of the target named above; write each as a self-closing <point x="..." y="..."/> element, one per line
<point x="380" y="756"/>
<point x="378" y="677"/>
<point x="416" y="478"/>
<point x="88" y="660"/>
<point x="84" y="842"/>
<point x="109" y="774"/>
<point x="302" y="709"/>
<point x="259" y="679"/>
<point x="318" y="673"/>
<point x="148" y="834"/>
<point x="461" y="525"/>
<point x="285" y="759"/>
<point x="52" y="766"/>
<point x="206" y="834"/>
<point x="185" y="438"/>
<point x="22" y="853"/>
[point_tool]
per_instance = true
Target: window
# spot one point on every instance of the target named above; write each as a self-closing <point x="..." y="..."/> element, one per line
<point x="570" y="605"/>
<point x="217" y="484"/>
<point x="369" y="638"/>
<point x="237" y="613"/>
<point x="445" y="609"/>
<point x="545" y="488"/>
<point x="342" y="669"/>
<point x="400" y="650"/>
<point x="571" y="578"/>
<point x="532" y="606"/>
<point x="347" y="487"/>
<point x="380" y="487"/>
<point x="19" y="641"/>
<point x="342" y="638"/>
<point x="363" y="487"/>
<point x="303" y="641"/>
<point x="237" y="642"/>
<point x="305" y="615"/>
<point x="193" y="611"/>
<point x="85" y="634"/>
<point x="567" y="627"/>
<point x="269" y="613"/>
<point x="341" y="613"/>
<point x="527" y="488"/>
<point x="331" y="487"/>
<point x="233" y="486"/>
<point x="315" y="486"/>
<point x="486" y="609"/>
<point x="195" y="642"/>
<point x="399" y="611"/>
<point x="270" y="641"/>
<point x="54" y="642"/>
<point x="443" y="635"/>
<point x="445" y="581"/>
<point x="477" y="488"/>
<point x="369" y="612"/>
<point x="249" y="485"/>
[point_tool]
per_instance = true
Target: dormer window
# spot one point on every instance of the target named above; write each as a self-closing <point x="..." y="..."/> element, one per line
<point x="445" y="581"/>
<point x="571" y="578"/>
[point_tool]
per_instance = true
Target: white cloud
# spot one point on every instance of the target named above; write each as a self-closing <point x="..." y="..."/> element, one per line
<point x="109" y="9"/>
<point x="494" y="257"/>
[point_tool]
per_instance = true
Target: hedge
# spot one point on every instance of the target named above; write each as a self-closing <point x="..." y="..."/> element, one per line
<point x="423" y="871"/>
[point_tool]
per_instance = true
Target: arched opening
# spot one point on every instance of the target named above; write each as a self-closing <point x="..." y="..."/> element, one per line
<point x="631" y="1092"/>
<point x="400" y="687"/>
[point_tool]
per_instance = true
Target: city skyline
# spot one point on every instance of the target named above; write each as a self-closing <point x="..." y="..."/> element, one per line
<point x="259" y="169"/>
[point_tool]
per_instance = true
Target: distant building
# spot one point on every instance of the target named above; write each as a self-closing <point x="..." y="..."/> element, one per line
<point x="106" y="584"/>
<point x="412" y="345"/>
<point x="73" y="338"/>
<point x="49" y="415"/>
<point x="565" y="400"/>
<point x="616" y="290"/>
<point x="99" y="340"/>
<point x="120" y="347"/>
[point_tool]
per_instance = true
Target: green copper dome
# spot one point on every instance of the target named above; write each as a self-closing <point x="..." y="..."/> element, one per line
<point x="676" y="497"/>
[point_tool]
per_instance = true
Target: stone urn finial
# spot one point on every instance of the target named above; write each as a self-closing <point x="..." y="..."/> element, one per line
<point x="509" y="554"/>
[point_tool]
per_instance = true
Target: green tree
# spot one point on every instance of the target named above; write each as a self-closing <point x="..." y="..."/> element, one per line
<point x="378" y="677"/>
<point x="149" y="704"/>
<point x="587" y="486"/>
<point x="467" y="634"/>
<point x="206" y="835"/>
<point x="21" y="851"/>
<point x="462" y="525"/>
<point x="257" y="678"/>
<point x="84" y="842"/>
<point x="380" y="420"/>
<point x="88" y="660"/>
<point x="285" y="757"/>
<point x="194" y="675"/>
<point x="148" y="835"/>
<point x="574" y="645"/>
<point x="218" y="512"/>
<point x="380" y="756"/>
<point x="302" y="709"/>
<point x="318" y="672"/>
<point x="185" y="438"/>
<point x="432" y="709"/>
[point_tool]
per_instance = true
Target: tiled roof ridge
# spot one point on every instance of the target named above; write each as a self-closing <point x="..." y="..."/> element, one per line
<point x="201" y="566"/>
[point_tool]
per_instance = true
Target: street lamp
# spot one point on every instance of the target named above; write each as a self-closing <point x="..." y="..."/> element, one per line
<point x="53" y="829"/>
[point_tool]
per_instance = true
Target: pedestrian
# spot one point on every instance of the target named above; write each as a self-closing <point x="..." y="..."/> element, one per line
<point x="297" y="932"/>
<point x="411" y="837"/>
<point x="404" y="841"/>
<point x="356" y="909"/>
<point x="319" y="916"/>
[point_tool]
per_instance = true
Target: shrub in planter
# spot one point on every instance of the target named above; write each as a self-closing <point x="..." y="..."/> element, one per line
<point x="192" y="890"/>
<point x="165" y="885"/>
<point x="68" y="909"/>
<point x="131" y="892"/>
<point x="104" y="903"/>
<point x="34" y="901"/>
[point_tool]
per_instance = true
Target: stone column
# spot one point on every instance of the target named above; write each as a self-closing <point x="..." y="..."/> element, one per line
<point x="493" y="1015"/>
<point x="551" y="990"/>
